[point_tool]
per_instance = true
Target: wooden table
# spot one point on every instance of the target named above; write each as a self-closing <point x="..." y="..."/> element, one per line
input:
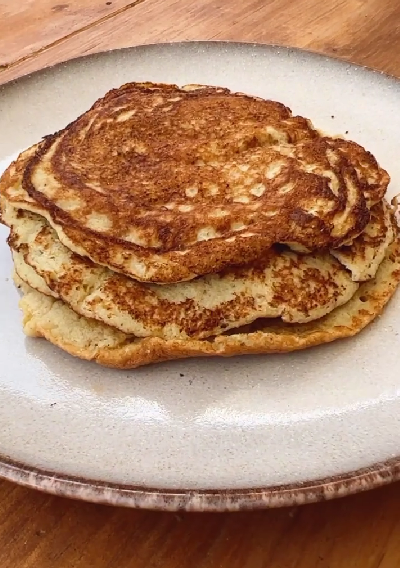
<point x="47" y="532"/>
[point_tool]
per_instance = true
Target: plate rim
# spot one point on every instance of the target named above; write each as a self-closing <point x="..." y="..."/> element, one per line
<point x="154" y="45"/>
<point x="196" y="500"/>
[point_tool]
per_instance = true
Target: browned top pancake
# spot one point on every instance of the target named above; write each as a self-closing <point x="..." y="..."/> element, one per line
<point x="165" y="184"/>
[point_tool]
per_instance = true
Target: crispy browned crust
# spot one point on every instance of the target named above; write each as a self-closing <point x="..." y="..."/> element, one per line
<point x="251" y="174"/>
<point x="260" y="337"/>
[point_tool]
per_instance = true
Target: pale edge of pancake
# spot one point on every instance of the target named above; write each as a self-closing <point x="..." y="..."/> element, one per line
<point x="47" y="317"/>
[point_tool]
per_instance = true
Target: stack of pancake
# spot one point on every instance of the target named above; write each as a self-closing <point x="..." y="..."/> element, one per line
<point x="171" y="222"/>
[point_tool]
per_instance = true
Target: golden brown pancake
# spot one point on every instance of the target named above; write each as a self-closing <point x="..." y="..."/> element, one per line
<point x="296" y="287"/>
<point x="47" y="317"/>
<point x="170" y="222"/>
<point x="165" y="183"/>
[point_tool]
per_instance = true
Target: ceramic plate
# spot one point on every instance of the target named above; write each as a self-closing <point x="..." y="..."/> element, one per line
<point x="218" y="434"/>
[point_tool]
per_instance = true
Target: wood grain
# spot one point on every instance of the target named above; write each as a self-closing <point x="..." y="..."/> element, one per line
<point x="39" y="531"/>
<point x="31" y="25"/>
<point x="337" y="27"/>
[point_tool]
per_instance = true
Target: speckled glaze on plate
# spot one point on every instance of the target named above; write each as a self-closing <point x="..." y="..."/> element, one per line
<point x="203" y="434"/>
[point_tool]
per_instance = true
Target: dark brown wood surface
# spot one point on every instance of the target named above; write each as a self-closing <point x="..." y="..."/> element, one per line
<point x="40" y="531"/>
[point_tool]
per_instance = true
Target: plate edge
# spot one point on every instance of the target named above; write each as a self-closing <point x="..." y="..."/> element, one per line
<point x="202" y="43"/>
<point x="197" y="500"/>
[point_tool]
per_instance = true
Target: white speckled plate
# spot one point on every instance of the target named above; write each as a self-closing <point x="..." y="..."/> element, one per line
<point x="204" y="434"/>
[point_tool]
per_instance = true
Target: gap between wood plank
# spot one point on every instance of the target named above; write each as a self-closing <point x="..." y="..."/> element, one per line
<point x="34" y="54"/>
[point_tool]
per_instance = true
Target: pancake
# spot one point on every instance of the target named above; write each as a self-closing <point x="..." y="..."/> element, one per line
<point x="296" y="287"/>
<point x="44" y="316"/>
<point x="165" y="184"/>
